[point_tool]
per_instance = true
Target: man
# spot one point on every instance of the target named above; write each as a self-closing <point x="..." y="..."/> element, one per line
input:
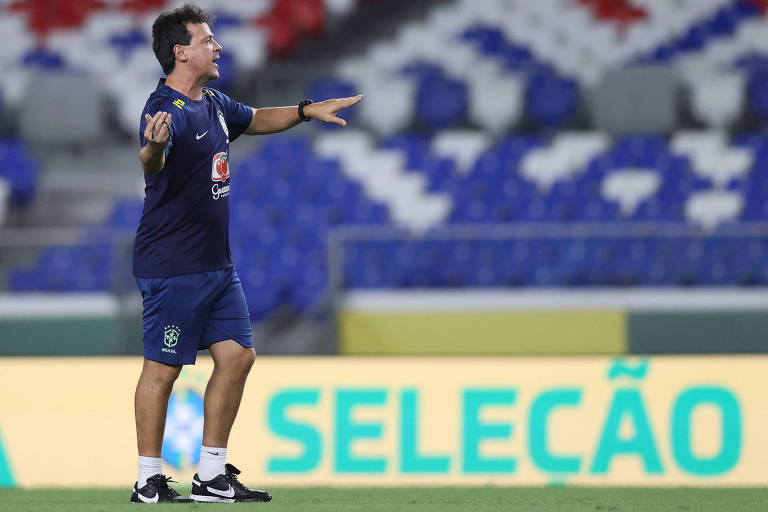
<point x="192" y="295"/>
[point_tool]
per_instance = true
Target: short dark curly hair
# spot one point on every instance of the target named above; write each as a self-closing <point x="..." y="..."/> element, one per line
<point x="170" y="29"/>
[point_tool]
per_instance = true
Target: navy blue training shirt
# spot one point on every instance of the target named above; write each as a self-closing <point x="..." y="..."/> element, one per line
<point x="184" y="227"/>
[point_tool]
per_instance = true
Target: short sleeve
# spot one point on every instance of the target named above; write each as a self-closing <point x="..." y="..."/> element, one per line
<point x="237" y="115"/>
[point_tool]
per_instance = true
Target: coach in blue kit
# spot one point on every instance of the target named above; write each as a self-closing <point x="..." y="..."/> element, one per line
<point x="192" y="295"/>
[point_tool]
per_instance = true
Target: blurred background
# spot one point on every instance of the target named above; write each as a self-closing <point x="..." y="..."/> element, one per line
<point x="607" y="151"/>
<point x="548" y="177"/>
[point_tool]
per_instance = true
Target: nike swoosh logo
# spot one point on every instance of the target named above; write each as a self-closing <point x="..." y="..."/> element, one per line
<point x="153" y="499"/>
<point x="213" y="453"/>
<point x="198" y="136"/>
<point x="229" y="493"/>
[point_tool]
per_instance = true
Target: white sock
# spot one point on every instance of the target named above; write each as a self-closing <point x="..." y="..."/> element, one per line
<point x="148" y="466"/>
<point x="212" y="462"/>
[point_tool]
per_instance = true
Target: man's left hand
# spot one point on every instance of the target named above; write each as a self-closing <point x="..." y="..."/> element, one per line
<point x="327" y="110"/>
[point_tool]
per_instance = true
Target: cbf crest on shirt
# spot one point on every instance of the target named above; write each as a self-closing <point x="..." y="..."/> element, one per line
<point x="184" y="227"/>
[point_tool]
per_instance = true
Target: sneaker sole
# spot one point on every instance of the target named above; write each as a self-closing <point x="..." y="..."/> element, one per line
<point x="211" y="499"/>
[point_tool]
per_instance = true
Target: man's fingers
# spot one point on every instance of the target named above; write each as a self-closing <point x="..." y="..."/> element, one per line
<point x="158" y="127"/>
<point x="151" y="126"/>
<point x="161" y="133"/>
<point x="150" y="123"/>
<point x="165" y="122"/>
<point x="155" y="118"/>
<point x="348" y="102"/>
<point x="342" y="103"/>
<point x="165" y="128"/>
<point x="355" y="99"/>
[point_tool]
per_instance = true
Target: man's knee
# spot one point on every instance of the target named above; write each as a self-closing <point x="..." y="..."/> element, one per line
<point x="244" y="360"/>
<point x="232" y="357"/>
<point x="249" y="358"/>
<point x="160" y="373"/>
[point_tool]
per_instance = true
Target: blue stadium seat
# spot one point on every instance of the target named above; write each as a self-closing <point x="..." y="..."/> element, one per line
<point x="19" y="169"/>
<point x="44" y="59"/>
<point x="125" y="43"/>
<point x="757" y="93"/>
<point x="441" y="101"/>
<point x="492" y="42"/>
<point x="722" y="23"/>
<point x="489" y="40"/>
<point x="223" y="19"/>
<point x="550" y="99"/>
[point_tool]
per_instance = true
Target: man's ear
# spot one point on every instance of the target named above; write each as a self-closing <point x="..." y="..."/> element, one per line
<point x="180" y="52"/>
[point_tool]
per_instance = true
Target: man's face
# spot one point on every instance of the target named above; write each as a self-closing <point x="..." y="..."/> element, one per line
<point x="203" y="51"/>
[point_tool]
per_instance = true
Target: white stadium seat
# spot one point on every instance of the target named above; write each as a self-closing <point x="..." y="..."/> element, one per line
<point x="629" y="187"/>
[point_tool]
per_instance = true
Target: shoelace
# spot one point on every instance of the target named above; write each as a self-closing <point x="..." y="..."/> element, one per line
<point x="163" y="483"/>
<point x="234" y="482"/>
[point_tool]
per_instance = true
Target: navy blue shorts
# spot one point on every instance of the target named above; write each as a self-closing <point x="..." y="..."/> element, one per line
<point x="187" y="313"/>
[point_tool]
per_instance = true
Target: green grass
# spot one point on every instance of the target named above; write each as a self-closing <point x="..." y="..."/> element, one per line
<point x="449" y="499"/>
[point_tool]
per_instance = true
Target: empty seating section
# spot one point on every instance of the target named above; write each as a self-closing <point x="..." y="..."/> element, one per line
<point x="288" y="195"/>
<point x="110" y="41"/>
<point x="474" y="118"/>
<point x="539" y="262"/>
<point x="286" y="199"/>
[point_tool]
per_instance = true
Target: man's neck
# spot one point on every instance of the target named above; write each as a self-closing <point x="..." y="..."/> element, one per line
<point x="187" y="86"/>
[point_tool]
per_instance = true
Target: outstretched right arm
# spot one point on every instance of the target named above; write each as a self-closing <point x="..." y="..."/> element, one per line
<point x="157" y="134"/>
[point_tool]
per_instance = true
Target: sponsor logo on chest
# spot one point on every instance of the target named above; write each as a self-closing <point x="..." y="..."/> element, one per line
<point x="219" y="175"/>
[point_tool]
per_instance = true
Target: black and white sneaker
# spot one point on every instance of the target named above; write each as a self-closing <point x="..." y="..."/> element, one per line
<point x="157" y="490"/>
<point x="225" y="488"/>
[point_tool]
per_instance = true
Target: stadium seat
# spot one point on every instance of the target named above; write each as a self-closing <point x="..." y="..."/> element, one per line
<point x="630" y="187"/>
<point x="551" y="100"/>
<point x="567" y="156"/>
<point x="713" y="207"/>
<point x="495" y="101"/>
<point x="441" y="101"/>
<point x="19" y="170"/>
<point x="717" y="100"/>
<point x="463" y="146"/>
<point x="389" y="103"/>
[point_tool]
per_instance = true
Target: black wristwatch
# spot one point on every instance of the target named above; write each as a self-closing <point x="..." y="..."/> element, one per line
<point x="301" y="110"/>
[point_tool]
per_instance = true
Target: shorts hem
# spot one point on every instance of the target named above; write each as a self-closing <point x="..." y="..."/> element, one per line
<point x="239" y="339"/>
<point x="170" y="363"/>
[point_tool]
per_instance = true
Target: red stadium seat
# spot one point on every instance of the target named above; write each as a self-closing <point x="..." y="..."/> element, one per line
<point x="760" y="4"/>
<point x="308" y="16"/>
<point x="281" y="35"/>
<point x="289" y="21"/>
<point x="139" y="7"/>
<point x="621" y="12"/>
<point x="45" y="16"/>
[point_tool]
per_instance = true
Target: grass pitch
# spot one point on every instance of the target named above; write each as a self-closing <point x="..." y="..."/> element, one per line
<point x="448" y="499"/>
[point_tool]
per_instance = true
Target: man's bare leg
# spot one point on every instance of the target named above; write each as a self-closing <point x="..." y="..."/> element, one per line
<point x="215" y="480"/>
<point x="232" y="362"/>
<point x="151" y="404"/>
